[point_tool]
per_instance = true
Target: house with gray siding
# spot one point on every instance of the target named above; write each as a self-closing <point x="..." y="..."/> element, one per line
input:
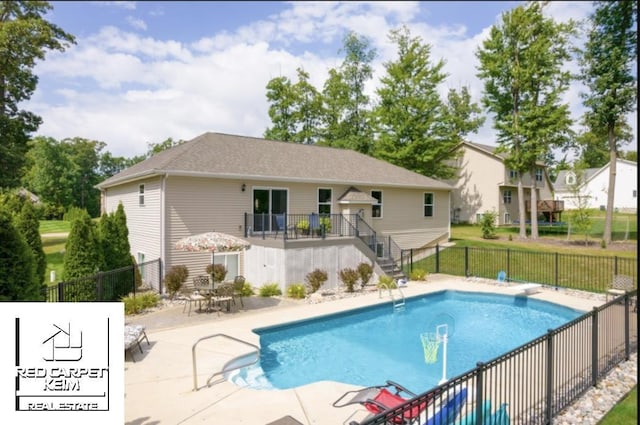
<point x="484" y="183"/>
<point x="301" y="207"/>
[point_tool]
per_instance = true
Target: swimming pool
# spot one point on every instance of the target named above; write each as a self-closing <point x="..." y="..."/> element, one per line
<point x="369" y="345"/>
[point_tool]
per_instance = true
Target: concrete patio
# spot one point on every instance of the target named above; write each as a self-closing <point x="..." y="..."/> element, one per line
<point x="159" y="385"/>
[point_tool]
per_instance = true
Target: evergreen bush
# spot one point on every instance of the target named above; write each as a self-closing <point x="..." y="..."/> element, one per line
<point x="18" y="275"/>
<point x="28" y="224"/>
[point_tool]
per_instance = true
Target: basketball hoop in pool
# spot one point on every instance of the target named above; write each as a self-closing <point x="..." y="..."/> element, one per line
<point x="444" y="326"/>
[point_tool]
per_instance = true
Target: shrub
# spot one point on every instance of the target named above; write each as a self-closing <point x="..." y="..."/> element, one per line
<point x="247" y="290"/>
<point x="303" y="227"/>
<point x="418" y="274"/>
<point x="488" y="225"/>
<point x="270" y="290"/>
<point x="136" y="304"/>
<point x="365" y="270"/>
<point x="217" y="271"/>
<point x="296" y="291"/>
<point x="386" y="282"/>
<point x="18" y="277"/>
<point x="82" y="251"/>
<point x="74" y="213"/>
<point x="174" y="279"/>
<point x="349" y="277"/>
<point x="326" y="223"/>
<point x="316" y="279"/>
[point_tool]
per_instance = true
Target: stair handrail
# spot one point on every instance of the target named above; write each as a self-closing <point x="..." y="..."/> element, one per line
<point x="360" y="223"/>
<point x="193" y="357"/>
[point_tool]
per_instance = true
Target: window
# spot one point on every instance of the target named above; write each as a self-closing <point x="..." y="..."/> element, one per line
<point x="324" y="201"/>
<point x="376" y="209"/>
<point x="506" y="196"/>
<point x="428" y="204"/>
<point x="538" y="174"/>
<point x="513" y="174"/>
<point x="570" y="179"/>
<point x="507" y="218"/>
<point x="635" y="193"/>
<point x="141" y="194"/>
<point x="231" y="261"/>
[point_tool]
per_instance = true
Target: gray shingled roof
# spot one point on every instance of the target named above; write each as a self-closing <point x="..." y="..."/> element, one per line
<point x="561" y="180"/>
<point x="228" y="156"/>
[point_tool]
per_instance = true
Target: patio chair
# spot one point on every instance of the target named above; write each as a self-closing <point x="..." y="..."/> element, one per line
<point x="280" y="227"/>
<point x="238" y="284"/>
<point x="190" y="295"/>
<point x="620" y="285"/>
<point x="378" y="399"/>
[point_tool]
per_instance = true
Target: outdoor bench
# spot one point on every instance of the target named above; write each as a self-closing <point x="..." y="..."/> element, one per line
<point x="133" y="335"/>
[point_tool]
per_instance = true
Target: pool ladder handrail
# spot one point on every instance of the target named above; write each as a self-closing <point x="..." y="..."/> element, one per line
<point x="398" y="304"/>
<point x="224" y="370"/>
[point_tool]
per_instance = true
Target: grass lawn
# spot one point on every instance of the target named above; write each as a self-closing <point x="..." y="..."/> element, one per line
<point x="53" y="247"/>
<point x="54" y="226"/>
<point x="625" y="412"/>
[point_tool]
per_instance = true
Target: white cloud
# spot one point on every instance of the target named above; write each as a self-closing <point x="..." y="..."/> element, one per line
<point x="137" y="23"/>
<point x="128" y="5"/>
<point x="128" y="90"/>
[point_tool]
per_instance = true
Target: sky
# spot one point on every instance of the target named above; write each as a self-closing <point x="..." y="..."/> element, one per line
<point x="141" y="72"/>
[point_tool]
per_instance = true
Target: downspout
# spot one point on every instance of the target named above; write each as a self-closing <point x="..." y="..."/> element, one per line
<point x="449" y="225"/>
<point x="163" y="233"/>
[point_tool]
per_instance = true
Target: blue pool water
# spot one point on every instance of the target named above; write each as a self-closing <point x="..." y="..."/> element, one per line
<point x="367" y="346"/>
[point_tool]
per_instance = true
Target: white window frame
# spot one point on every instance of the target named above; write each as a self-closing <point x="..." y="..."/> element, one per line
<point x="141" y="195"/>
<point x="378" y="204"/>
<point x="635" y="193"/>
<point x="425" y="204"/>
<point x="539" y="174"/>
<point x="506" y="196"/>
<point x="222" y="258"/>
<point x="507" y="218"/>
<point x="140" y="258"/>
<point x="329" y="203"/>
<point x="513" y="174"/>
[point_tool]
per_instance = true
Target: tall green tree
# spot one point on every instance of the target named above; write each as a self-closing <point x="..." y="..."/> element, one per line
<point x="50" y="172"/>
<point x="410" y="116"/>
<point x="25" y="37"/>
<point x="592" y="143"/>
<point x="85" y="154"/>
<point x="82" y="256"/>
<point x="607" y="70"/>
<point x="28" y="224"/>
<point x="295" y="109"/>
<point x="346" y="121"/>
<point x="19" y="280"/>
<point x="521" y="64"/>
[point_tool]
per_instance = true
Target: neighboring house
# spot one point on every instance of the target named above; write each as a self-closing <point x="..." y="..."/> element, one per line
<point x="595" y="187"/>
<point x="264" y="190"/>
<point x="484" y="183"/>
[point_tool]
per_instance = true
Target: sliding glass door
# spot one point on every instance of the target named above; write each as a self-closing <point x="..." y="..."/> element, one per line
<point x="266" y="203"/>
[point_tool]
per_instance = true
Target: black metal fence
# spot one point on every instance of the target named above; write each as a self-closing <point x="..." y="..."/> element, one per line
<point x="108" y="286"/>
<point x="583" y="272"/>
<point x="534" y="382"/>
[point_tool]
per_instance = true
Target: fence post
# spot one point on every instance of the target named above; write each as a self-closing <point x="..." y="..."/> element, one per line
<point x="549" y="404"/>
<point x="245" y="224"/>
<point x="61" y="292"/>
<point x="100" y="293"/>
<point x="615" y="265"/>
<point x="555" y="278"/>
<point x="466" y="261"/>
<point x="160" y="288"/>
<point x="627" y="347"/>
<point x="594" y="347"/>
<point x="411" y="259"/>
<point x="508" y="264"/>
<point x="479" y="392"/>
<point x="437" y="258"/>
